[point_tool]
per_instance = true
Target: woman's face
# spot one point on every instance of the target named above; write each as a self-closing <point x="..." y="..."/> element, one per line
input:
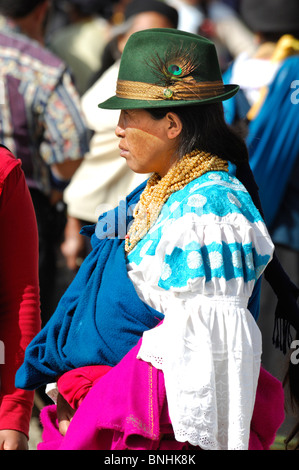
<point x="147" y="144"/>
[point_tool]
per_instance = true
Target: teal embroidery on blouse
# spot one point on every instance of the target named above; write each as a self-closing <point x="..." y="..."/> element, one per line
<point x="215" y="193"/>
<point x="217" y="260"/>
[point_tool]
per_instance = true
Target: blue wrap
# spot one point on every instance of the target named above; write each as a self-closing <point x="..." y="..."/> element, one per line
<point x="98" y="319"/>
<point x="273" y="134"/>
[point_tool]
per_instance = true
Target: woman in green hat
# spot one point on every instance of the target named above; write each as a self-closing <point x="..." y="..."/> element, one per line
<point x="185" y="361"/>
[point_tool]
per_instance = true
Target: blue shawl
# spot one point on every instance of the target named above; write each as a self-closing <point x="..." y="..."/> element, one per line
<point x="273" y="138"/>
<point x="99" y="318"/>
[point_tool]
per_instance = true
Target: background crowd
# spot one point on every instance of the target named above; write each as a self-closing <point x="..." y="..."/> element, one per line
<point x="59" y="59"/>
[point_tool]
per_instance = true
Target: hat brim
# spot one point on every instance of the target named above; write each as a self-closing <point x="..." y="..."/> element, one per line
<point x="116" y="102"/>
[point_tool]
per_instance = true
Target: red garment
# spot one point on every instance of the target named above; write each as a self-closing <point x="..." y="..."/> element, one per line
<point x="75" y="384"/>
<point x="19" y="289"/>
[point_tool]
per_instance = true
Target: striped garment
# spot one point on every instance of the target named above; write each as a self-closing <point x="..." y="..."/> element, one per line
<point x="40" y="116"/>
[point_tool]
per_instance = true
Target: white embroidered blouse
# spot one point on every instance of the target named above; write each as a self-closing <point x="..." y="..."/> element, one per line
<point x="198" y="265"/>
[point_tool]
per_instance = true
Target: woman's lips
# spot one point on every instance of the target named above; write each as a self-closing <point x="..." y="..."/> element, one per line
<point x="123" y="152"/>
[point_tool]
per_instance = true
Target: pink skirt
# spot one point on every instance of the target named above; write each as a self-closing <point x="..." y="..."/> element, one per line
<point x="127" y="410"/>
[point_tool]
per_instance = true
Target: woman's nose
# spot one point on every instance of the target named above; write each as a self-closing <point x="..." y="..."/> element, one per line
<point x="119" y="131"/>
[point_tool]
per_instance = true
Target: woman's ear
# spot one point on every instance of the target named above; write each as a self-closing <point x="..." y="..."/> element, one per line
<point x="174" y="125"/>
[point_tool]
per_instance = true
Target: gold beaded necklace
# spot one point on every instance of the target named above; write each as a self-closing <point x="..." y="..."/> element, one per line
<point x="158" y="190"/>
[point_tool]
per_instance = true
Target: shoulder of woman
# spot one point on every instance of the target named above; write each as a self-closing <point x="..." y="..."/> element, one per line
<point x="215" y="194"/>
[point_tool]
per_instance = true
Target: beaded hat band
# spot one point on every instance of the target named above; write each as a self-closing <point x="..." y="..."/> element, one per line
<point x="185" y="90"/>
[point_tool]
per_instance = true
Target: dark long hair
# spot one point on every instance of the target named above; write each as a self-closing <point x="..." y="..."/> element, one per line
<point x="204" y="128"/>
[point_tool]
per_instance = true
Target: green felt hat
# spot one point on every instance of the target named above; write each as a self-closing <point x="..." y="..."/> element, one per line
<point x="168" y="67"/>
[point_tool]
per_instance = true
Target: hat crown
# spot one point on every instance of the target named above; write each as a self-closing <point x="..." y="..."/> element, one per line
<point x="168" y="67"/>
<point x="176" y="54"/>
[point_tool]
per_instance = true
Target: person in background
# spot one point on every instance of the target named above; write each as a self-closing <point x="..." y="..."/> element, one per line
<point x="80" y="43"/>
<point x="41" y="123"/>
<point x="19" y="298"/>
<point x="104" y="179"/>
<point x="218" y="21"/>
